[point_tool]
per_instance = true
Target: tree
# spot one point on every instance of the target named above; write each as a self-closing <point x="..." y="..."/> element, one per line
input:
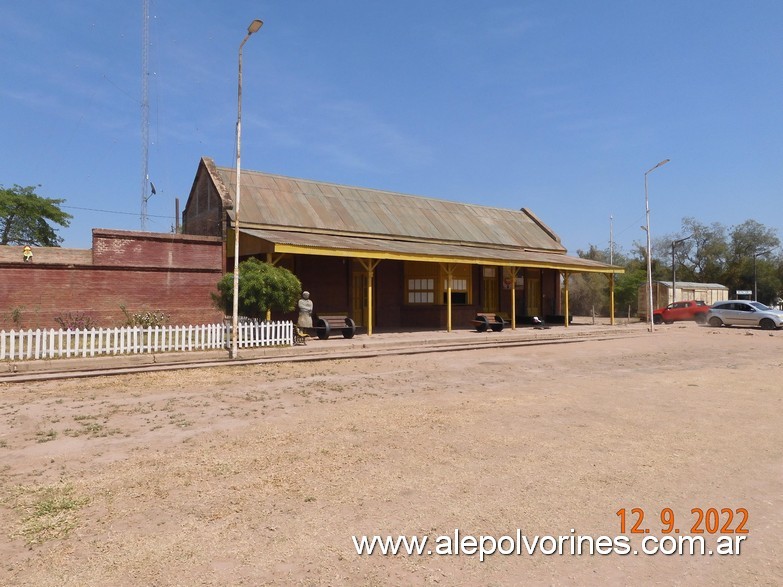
<point x="25" y="217"/>
<point x="589" y="291"/>
<point x="752" y="250"/>
<point x="262" y="287"/>
<point x="701" y="256"/>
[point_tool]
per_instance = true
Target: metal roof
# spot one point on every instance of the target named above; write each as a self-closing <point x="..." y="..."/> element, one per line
<point x="320" y="218"/>
<point x="693" y="285"/>
<point x="284" y="202"/>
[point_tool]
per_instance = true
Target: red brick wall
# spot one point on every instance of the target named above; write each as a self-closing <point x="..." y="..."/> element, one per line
<point x="148" y="249"/>
<point x="142" y="271"/>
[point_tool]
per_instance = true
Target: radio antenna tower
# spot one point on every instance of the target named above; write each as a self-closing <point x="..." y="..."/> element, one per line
<point x="145" y="112"/>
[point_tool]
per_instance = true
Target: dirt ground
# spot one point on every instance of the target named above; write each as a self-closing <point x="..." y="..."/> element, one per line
<point x="261" y="475"/>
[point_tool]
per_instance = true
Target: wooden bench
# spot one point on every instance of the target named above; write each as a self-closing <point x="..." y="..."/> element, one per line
<point x="483" y="321"/>
<point x="325" y="325"/>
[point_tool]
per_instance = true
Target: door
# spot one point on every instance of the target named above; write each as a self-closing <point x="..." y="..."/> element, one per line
<point x="533" y="294"/>
<point x="490" y="283"/>
<point x="745" y="314"/>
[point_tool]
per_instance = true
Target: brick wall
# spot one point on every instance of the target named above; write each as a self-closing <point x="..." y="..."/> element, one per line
<point x="141" y="271"/>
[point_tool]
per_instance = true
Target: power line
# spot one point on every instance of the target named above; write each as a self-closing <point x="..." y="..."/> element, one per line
<point x="115" y="212"/>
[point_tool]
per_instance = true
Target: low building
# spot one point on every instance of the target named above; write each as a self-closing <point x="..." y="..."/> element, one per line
<point x="665" y="293"/>
<point x="390" y="260"/>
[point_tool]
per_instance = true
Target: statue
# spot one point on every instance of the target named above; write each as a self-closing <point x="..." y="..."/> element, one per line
<point x="305" y="306"/>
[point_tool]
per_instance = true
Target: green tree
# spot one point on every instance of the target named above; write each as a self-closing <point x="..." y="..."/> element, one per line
<point x="752" y="247"/>
<point x="262" y="287"/>
<point x="26" y="218"/>
<point x="702" y="256"/>
<point x="589" y="291"/>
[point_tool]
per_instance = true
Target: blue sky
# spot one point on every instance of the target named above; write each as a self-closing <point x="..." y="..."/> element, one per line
<point x="557" y="106"/>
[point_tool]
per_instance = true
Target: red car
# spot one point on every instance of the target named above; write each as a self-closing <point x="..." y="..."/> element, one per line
<point x="687" y="310"/>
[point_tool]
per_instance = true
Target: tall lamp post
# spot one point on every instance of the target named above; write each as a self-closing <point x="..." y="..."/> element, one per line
<point x="755" y="285"/>
<point x="649" y="247"/>
<point x="674" y="271"/>
<point x="253" y="28"/>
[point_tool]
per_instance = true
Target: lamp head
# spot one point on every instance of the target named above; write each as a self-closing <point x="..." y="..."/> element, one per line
<point x="664" y="162"/>
<point x="254" y="26"/>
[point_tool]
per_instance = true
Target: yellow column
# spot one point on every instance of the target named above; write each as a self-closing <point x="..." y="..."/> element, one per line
<point x="369" y="266"/>
<point x="370" y="274"/>
<point x="448" y="268"/>
<point x="566" y="275"/>
<point x="273" y="261"/>
<point x="514" y="274"/>
<point x="269" y="311"/>
<point x="611" y="299"/>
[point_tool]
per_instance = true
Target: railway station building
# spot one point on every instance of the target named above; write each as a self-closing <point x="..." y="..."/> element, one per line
<point x="391" y="260"/>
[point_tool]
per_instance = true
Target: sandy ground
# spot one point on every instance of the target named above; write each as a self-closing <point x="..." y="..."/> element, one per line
<point x="261" y="475"/>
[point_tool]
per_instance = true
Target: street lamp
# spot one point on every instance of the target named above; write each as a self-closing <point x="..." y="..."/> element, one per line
<point x="253" y="28"/>
<point x="755" y="287"/>
<point x="649" y="247"/>
<point x="674" y="272"/>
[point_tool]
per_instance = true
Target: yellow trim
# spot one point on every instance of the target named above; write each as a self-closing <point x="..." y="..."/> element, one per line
<point x="448" y="269"/>
<point x="514" y="275"/>
<point x="369" y="267"/>
<point x="381" y="255"/>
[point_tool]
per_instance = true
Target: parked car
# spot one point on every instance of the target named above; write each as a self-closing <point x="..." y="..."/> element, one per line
<point x="686" y="310"/>
<point x="744" y="313"/>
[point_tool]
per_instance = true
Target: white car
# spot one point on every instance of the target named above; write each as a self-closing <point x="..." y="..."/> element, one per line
<point x="744" y="313"/>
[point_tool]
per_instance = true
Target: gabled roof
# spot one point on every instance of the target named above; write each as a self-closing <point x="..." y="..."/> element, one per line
<point x="693" y="285"/>
<point x="298" y="215"/>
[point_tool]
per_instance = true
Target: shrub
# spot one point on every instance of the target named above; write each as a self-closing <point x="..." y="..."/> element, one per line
<point x="262" y="287"/>
<point x="74" y="321"/>
<point x="146" y="318"/>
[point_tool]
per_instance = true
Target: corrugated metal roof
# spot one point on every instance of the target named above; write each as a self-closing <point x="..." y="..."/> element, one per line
<point x="273" y="201"/>
<point x="693" y="285"/>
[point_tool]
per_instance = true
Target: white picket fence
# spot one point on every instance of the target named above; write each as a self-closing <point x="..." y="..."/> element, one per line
<point x="55" y="344"/>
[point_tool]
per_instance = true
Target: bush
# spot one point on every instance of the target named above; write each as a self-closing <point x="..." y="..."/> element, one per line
<point x="262" y="287"/>
<point x="145" y="319"/>
<point x="75" y="321"/>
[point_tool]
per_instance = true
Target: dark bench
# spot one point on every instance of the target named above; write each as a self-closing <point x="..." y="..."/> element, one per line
<point x="325" y="325"/>
<point x="483" y="321"/>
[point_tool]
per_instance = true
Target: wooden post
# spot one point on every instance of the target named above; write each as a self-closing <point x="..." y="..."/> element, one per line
<point x="514" y="274"/>
<point x="448" y="268"/>
<point x="611" y="299"/>
<point x="370" y="275"/>
<point x="566" y="275"/>
<point x="273" y="261"/>
<point x="369" y="266"/>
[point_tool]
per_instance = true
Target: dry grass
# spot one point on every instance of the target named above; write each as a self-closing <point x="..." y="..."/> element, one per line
<point x="260" y="475"/>
<point x="45" y="512"/>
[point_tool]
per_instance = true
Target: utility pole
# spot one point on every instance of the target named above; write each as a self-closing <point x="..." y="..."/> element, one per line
<point x="145" y="111"/>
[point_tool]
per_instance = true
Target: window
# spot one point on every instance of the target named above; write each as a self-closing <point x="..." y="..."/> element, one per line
<point x="460" y="285"/>
<point x="421" y="291"/>
<point x="427" y="283"/>
<point x="420" y="280"/>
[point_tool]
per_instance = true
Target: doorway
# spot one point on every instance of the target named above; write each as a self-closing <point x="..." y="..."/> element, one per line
<point x="490" y="300"/>
<point x="533" y="294"/>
